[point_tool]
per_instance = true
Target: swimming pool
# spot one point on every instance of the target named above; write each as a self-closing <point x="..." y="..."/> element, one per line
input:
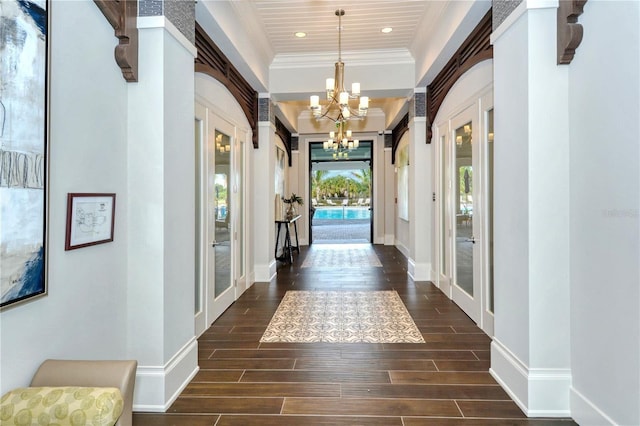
<point x="342" y="213"/>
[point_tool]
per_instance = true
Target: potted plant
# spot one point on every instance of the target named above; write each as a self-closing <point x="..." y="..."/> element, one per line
<point x="291" y="201"/>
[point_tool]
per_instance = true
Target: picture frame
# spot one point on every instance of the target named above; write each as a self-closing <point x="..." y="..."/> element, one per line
<point x="24" y="148"/>
<point x="90" y="219"/>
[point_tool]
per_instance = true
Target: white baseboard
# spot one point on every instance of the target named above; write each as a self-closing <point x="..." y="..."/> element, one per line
<point x="265" y="273"/>
<point x="403" y="249"/>
<point x="538" y="392"/>
<point x="157" y="387"/>
<point x="585" y="412"/>
<point x="420" y="271"/>
<point x="389" y="239"/>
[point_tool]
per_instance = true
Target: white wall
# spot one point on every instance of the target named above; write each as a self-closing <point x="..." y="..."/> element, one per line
<point x="445" y="29"/>
<point x="605" y="198"/>
<point x="132" y="298"/>
<point x="161" y="193"/>
<point x="389" y="200"/>
<point x="84" y="314"/>
<point x="381" y="165"/>
<point x="510" y="160"/>
<point x="531" y="351"/>
<point x="567" y="278"/>
<point x="263" y="193"/>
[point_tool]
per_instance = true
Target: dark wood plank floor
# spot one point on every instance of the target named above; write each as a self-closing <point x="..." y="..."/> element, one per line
<point x="444" y="381"/>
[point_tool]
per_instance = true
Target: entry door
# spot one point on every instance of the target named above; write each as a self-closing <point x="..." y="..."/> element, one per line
<point x="465" y="206"/>
<point x="220" y="213"/>
<point x="217" y="192"/>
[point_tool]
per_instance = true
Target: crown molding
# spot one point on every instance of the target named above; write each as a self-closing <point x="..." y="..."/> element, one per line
<point x="367" y="58"/>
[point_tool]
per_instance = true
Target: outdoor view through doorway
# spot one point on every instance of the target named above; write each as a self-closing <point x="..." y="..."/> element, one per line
<point x="341" y="196"/>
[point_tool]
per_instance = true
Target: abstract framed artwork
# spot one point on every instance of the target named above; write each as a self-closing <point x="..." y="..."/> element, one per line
<point x="23" y="149"/>
<point x="90" y="219"/>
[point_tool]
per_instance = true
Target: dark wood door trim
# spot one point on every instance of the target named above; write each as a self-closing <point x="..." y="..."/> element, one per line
<point x="475" y="49"/>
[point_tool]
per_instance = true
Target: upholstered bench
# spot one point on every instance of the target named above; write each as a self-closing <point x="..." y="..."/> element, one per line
<point x="61" y="405"/>
<point x="73" y="392"/>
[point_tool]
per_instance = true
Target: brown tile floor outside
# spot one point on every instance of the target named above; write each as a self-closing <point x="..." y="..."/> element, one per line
<point x="444" y="381"/>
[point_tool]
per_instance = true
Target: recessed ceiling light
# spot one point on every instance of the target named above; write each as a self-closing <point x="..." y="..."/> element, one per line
<point x="387" y="30"/>
<point x="300" y="34"/>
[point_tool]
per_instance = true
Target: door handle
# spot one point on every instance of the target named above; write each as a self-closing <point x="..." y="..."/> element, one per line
<point x="214" y="243"/>
<point x="471" y="240"/>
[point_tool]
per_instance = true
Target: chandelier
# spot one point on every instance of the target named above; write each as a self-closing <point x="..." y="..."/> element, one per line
<point x="338" y="108"/>
<point x="340" y="142"/>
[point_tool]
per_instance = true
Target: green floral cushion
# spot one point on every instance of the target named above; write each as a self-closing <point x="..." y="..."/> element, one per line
<point x="61" y="406"/>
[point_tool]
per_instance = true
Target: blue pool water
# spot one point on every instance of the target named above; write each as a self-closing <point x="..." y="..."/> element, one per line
<point x="343" y="213"/>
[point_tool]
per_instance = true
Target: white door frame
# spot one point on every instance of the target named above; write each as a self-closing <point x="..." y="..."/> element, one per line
<point x="487" y="317"/>
<point x="239" y="194"/>
<point x="200" y="213"/>
<point x="217" y="305"/>
<point x="444" y="223"/>
<point x="475" y="110"/>
<point x="212" y="307"/>
<point x="470" y="304"/>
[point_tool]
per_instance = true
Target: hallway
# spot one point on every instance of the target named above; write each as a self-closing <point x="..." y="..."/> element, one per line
<point x="444" y="381"/>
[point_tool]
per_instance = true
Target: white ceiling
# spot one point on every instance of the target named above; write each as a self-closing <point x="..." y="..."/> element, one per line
<point x="361" y="24"/>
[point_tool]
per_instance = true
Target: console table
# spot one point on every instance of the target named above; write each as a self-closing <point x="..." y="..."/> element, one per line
<point x="287" y="248"/>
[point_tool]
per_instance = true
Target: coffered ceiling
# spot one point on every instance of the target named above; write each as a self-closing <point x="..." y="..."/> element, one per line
<point x="259" y="38"/>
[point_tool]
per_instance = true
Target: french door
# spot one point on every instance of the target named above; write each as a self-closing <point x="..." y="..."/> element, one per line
<point x="464" y="207"/>
<point x="464" y="213"/>
<point x="219" y="189"/>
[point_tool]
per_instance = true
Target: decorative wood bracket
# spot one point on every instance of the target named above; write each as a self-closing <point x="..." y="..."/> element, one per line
<point x="569" y="30"/>
<point x="401" y="128"/>
<point x="122" y="15"/>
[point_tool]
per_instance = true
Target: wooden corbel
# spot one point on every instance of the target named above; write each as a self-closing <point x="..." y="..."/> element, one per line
<point x="569" y="30"/>
<point x="122" y="15"/>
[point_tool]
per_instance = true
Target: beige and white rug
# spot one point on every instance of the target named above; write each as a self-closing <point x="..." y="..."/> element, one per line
<point x="342" y="317"/>
<point x="341" y="256"/>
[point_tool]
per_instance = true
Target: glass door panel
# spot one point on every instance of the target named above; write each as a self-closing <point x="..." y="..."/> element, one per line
<point x="466" y="214"/>
<point x="464" y="208"/>
<point x="219" y="213"/>
<point x="222" y="209"/>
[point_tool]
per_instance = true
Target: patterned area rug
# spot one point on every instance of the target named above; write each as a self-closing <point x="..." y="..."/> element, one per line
<point x="341" y="256"/>
<point x="342" y="317"/>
